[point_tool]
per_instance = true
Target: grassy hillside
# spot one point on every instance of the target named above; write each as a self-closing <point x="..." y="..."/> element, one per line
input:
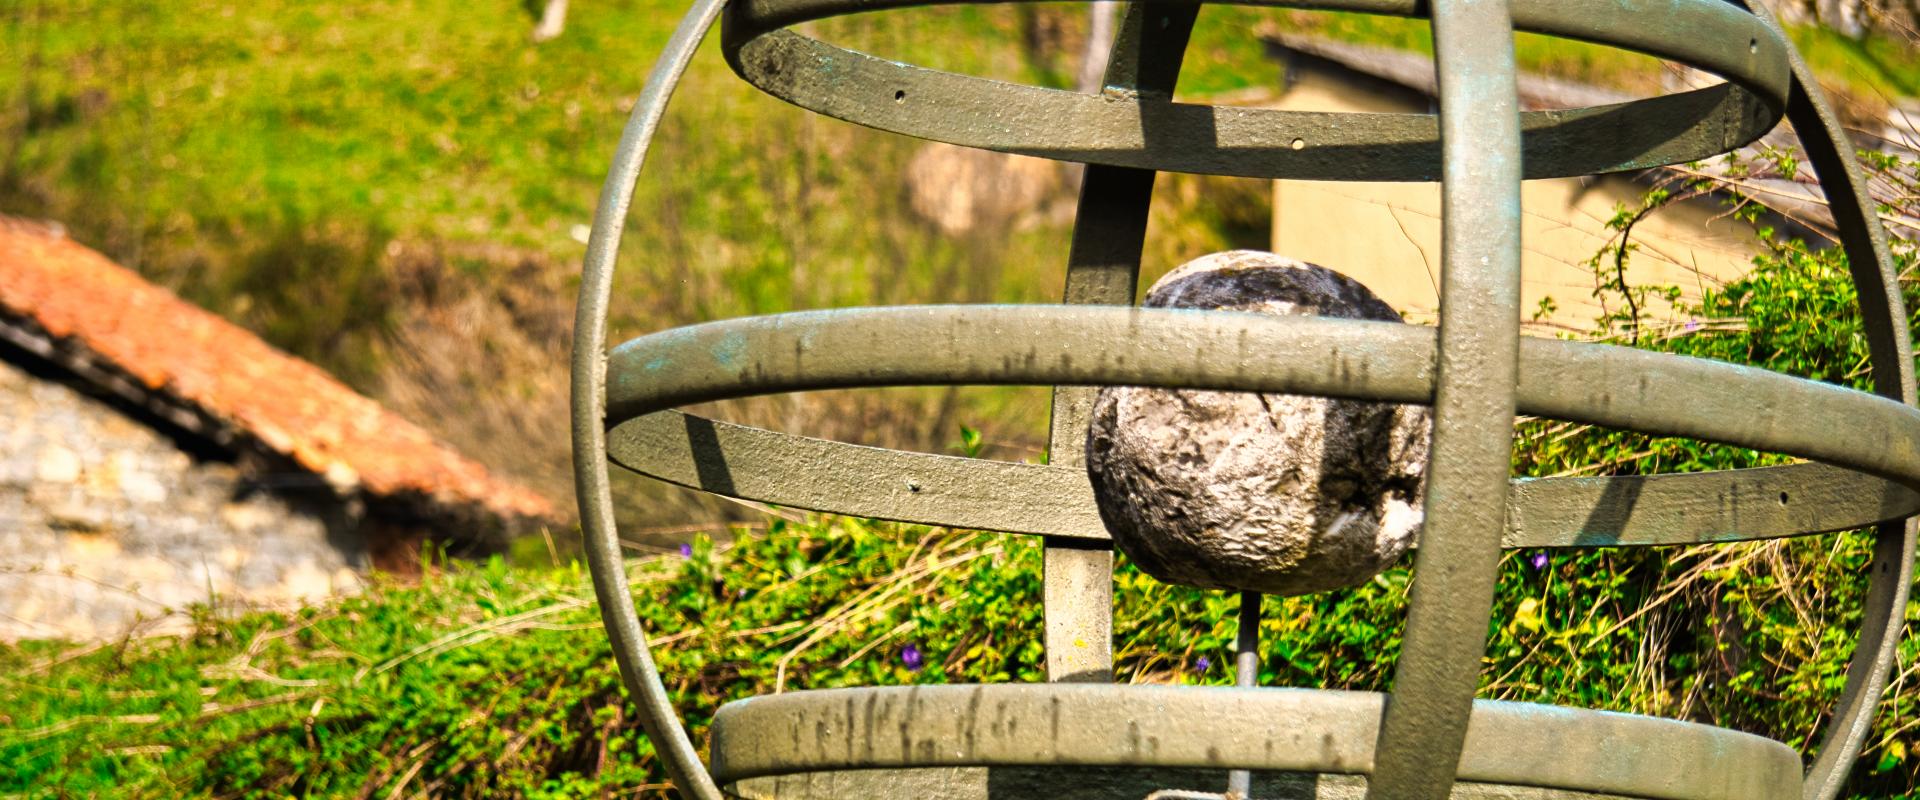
<point x="394" y="190"/>
<point x="491" y="682"/>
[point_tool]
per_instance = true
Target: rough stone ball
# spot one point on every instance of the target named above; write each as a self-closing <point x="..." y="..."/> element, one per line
<point x="1278" y="494"/>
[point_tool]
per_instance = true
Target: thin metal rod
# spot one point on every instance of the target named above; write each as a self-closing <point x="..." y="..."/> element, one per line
<point x="1246" y="674"/>
<point x="1246" y="663"/>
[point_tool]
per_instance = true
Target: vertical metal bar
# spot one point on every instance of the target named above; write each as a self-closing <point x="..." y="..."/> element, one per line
<point x="1246" y="675"/>
<point x="1884" y="315"/>
<point x="1425" y="722"/>
<point x="1103" y="267"/>
<point x="589" y="401"/>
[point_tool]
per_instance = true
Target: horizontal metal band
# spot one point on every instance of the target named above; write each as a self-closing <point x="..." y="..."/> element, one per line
<point x="1232" y="351"/>
<point x="1151" y="132"/>
<point x="878" y="483"/>
<point x="873" y="482"/>
<point x="1086" y="783"/>
<point x="1700" y="507"/>
<point x="1213" y="727"/>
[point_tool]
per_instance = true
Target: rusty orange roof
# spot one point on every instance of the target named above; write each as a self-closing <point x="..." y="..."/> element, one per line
<point x="293" y="408"/>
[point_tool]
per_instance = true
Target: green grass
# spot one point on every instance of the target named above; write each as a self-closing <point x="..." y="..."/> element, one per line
<point x="208" y="143"/>
<point x="495" y="682"/>
<point x="189" y="137"/>
<point x="435" y="120"/>
<point x="1878" y="67"/>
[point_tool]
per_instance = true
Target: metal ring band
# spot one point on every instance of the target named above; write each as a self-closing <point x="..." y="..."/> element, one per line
<point x="588" y="375"/>
<point x="1148" y="131"/>
<point x="1890" y="345"/>
<point x="1293" y="730"/>
<point x="1475" y="397"/>
<point x="783" y="469"/>
<point x="1608" y="385"/>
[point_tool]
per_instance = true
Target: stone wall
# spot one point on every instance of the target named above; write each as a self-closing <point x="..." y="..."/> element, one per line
<point x="109" y="524"/>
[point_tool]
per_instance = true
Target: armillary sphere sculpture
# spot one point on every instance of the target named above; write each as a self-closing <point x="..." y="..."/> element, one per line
<point x="1082" y="736"/>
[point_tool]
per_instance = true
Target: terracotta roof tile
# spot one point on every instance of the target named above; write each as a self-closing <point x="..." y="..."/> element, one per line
<point x="290" y="406"/>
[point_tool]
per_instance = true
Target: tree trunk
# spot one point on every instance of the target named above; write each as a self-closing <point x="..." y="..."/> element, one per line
<point x="1848" y="17"/>
<point x="1093" y="60"/>
<point x="552" y="21"/>
<point x="1793" y="12"/>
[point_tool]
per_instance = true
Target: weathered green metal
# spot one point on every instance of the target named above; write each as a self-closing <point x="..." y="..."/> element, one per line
<point x="1289" y="730"/>
<point x="588" y="407"/>
<point x="1093" y="783"/>
<point x="1829" y="147"/>
<point x="1149" y="131"/>
<point x="1476" y="368"/>
<point x="877" y="483"/>
<point x="1599" y="384"/>
<point x="1609" y="385"/>
<point x="1470" y="370"/>
<point x="1103" y="267"/>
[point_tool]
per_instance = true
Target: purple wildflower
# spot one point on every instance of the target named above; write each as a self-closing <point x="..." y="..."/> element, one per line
<point x="1202" y="664"/>
<point x="910" y="656"/>
<point x="686" y="550"/>
<point x="1693" y="325"/>
<point x="1538" y="560"/>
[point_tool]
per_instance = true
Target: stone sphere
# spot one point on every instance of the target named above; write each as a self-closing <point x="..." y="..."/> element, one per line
<point x="1278" y="494"/>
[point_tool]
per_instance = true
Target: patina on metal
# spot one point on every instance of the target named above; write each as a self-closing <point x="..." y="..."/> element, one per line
<point x="1108" y="345"/>
<point x="1103" y="268"/>
<point x="1082" y="737"/>
<point x="1475" y="373"/>
<point x="1152" y="132"/>
<point x="1272" y="729"/>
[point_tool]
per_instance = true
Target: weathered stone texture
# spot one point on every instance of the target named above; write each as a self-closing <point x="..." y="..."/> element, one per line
<point x="105" y="522"/>
<point x="1280" y="494"/>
